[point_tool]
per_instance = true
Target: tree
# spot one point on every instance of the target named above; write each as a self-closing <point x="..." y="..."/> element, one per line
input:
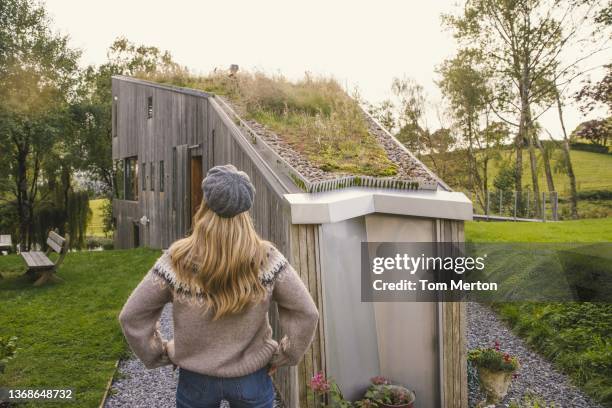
<point x="465" y="84"/>
<point x="38" y="72"/>
<point x="92" y="131"/>
<point x="595" y="131"/>
<point x="523" y="43"/>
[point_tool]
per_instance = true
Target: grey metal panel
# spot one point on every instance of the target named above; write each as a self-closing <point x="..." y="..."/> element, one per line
<point x="350" y="330"/>
<point x="407" y="331"/>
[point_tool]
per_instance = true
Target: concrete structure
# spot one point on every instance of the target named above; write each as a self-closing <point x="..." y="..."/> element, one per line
<point x="175" y="135"/>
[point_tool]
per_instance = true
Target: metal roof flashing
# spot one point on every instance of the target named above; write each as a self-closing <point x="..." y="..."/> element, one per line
<point x="340" y="205"/>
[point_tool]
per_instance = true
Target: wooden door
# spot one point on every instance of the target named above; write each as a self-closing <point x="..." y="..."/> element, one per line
<point x="196" y="183"/>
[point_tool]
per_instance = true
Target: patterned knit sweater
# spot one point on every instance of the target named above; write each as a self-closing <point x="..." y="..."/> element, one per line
<point x="231" y="346"/>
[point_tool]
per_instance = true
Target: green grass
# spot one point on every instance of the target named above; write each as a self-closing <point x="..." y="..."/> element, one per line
<point x="313" y="115"/>
<point x="96" y="225"/>
<point x="576" y="337"/>
<point x="587" y="230"/>
<point x="68" y="333"/>
<point x="591" y="171"/>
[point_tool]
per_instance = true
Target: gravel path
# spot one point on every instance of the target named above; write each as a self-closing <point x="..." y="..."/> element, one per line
<point x="135" y="386"/>
<point x="138" y="387"/>
<point x="535" y="375"/>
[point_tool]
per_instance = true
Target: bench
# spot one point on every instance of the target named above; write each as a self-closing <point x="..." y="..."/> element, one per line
<point x="6" y="243"/>
<point x="42" y="269"/>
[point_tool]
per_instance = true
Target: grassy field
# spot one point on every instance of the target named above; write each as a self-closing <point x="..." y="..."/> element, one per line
<point x="67" y="333"/>
<point x="96" y="226"/>
<point x="590" y="230"/>
<point x="577" y="337"/>
<point x="592" y="171"/>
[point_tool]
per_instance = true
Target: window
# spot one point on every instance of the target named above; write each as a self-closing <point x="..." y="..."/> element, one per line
<point x="114" y="126"/>
<point x="120" y="179"/>
<point x="161" y="175"/>
<point x="149" y="107"/>
<point x="131" y="178"/>
<point x="143" y="171"/>
<point x="152" y="181"/>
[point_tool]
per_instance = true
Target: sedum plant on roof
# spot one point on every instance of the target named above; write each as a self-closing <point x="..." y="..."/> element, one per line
<point x="314" y="116"/>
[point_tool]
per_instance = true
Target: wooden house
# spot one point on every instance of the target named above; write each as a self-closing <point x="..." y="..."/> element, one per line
<point x="166" y="138"/>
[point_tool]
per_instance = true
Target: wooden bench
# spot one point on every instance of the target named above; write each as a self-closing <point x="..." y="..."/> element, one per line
<point x="6" y="243"/>
<point x="40" y="267"/>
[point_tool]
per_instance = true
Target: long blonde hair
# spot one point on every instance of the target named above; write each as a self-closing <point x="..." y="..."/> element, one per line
<point x="221" y="259"/>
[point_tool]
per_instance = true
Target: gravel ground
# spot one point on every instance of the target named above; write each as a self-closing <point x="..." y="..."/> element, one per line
<point x="137" y="387"/>
<point x="408" y="167"/>
<point x="535" y="375"/>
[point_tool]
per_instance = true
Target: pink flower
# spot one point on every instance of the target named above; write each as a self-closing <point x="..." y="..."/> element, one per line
<point x="497" y="345"/>
<point x="318" y="383"/>
<point x="379" y="380"/>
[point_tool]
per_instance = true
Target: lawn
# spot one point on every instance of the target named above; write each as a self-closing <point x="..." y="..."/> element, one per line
<point x="592" y="171"/>
<point x="67" y="333"/>
<point x="96" y="226"/>
<point x="576" y="337"/>
<point x="587" y="230"/>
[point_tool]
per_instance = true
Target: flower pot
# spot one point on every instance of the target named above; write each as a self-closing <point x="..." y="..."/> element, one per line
<point x="409" y="404"/>
<point x="494" y="383"/>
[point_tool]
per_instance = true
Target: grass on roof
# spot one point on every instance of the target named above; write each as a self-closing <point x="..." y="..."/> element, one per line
<point x="314" y="116"/>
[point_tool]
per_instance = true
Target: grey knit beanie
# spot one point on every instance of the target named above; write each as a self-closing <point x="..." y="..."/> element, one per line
<point x="228" y="191"/>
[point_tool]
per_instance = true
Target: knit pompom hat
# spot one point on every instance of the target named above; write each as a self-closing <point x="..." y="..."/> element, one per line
<point x="228" y="191"/>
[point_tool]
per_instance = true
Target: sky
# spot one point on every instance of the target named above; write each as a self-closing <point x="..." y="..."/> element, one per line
<point x="361" y="44"/>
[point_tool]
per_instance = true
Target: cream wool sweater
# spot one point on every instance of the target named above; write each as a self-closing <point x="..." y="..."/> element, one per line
<point x="232" y="346"/>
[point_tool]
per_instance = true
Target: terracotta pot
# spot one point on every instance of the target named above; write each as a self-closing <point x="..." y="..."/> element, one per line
<point x="494" y="383"/>
<point x="407" y="405"/>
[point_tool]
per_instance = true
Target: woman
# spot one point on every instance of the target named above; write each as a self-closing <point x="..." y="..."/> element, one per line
<point x="221" y="280"/>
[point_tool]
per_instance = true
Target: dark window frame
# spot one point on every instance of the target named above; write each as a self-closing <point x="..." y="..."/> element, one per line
<point x="130" y="179"/>
<point x="152" y="176"/>
<point x="149" y="107"/>
<point x="143" y="172"/>
<point x="162" y="175"/>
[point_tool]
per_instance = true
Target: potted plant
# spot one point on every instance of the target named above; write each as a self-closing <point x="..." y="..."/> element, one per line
<point x="380" y="394"/>
<point x="387" y="395"/>
<point x="8" y="349"/>
<point x="495" y="371"/>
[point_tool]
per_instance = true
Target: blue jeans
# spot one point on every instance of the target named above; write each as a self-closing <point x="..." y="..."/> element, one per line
<point x="196" y="390"/>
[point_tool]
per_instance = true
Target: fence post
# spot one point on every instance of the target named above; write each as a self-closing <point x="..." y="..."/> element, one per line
<point x="544" y="206"/>
<point x="515" y="198"/>
<point x="528" y="204"/>
<point x="501" y="196"/>
<point x="488" y="199"/>
<point x="555" y="205"/>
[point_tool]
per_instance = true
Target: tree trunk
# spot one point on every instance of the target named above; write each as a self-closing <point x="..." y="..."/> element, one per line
<point x="23" y="212"/>
<point x="546" y="159"/>
<point x="568" y="163"/>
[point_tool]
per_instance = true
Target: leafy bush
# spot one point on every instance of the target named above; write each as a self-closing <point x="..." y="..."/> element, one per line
<point x="93" y="242"/>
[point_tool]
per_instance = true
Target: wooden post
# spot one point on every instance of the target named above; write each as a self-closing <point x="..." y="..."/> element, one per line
<point x="515" y="198"/>
<point x="501" y="196"/>
<point x="488" y="200"/>
<point x="544" y="206"/>
<point x="528" y="204"/>
<point x="555" y="205"/>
